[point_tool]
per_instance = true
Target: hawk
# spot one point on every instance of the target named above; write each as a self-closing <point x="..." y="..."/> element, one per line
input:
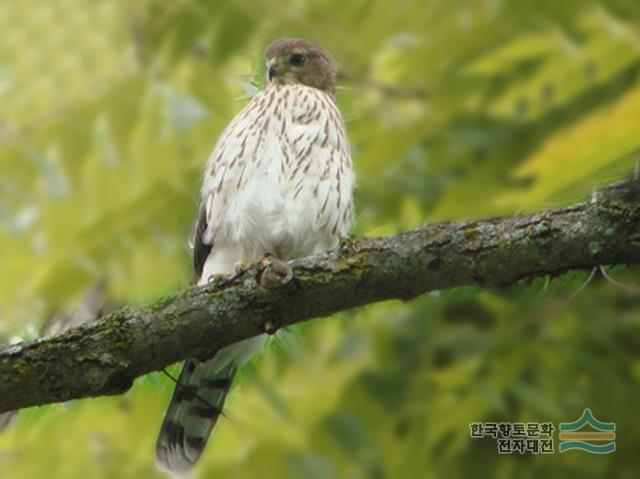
<point x="279" y="181"/>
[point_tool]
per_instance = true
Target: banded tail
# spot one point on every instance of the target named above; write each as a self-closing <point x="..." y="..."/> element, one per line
<point x="194" y="409"/>
<point x="197" y="403"/>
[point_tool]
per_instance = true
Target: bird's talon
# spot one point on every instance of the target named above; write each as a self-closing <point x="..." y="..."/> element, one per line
<point x="238" y="268"/>
<point x="265" y="259"/>
<point x="216" y="277"/>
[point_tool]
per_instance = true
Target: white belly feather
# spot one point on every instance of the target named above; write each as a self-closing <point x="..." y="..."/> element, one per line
<point x="279" y="180"/>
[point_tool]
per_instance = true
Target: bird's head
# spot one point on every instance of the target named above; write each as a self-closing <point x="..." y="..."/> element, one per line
<point x="291" y="61"/>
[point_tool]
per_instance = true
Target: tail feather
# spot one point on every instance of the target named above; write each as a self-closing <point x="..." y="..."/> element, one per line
<point x="194" y="409"/>
<point x="196" y="404"/>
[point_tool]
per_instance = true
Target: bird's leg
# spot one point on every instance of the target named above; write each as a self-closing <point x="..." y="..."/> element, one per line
<point x="216" y="277"/>
<point x="239" y="267"/>
<point x="266" y="257"/>
<point x="224" y="278"/>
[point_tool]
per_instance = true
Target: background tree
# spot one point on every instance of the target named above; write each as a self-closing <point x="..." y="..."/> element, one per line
<point x="455" y="110"/>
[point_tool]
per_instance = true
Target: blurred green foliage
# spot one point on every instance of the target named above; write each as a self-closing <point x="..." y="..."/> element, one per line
<point x="108" y="111"/>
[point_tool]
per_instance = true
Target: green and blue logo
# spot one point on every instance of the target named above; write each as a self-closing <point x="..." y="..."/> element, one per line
<point x="590" y="440"/>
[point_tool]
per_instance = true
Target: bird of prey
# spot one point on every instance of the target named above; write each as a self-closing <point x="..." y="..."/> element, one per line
<point x="278" y="182"/>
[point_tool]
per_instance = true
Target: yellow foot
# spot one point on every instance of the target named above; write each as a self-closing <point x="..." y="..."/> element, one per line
<point x="239" y="267"/>
<point x="216" y="277"/>
<point x="266" y="258"/>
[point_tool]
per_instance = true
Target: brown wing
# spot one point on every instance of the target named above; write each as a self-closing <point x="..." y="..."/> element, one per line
<point x="201" y="248"/>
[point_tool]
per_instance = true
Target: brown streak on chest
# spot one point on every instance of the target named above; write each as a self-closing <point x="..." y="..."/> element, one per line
<point x="219" y="187"/>
<point x="326" y="133"/>
<point x="326" y="200"/>
<point x="298" y="188"/>
<point x="240" y="181"/>
<point x="295" y="171"/>
<point x="270" y="99"/>
<point x="305" y="154"/>
<point x="254" y="154"/>
<point x="325" y="172"/>
<point x="216" y="161"/>
<point x="285" y="152"/>
<point x="298" y="138"/>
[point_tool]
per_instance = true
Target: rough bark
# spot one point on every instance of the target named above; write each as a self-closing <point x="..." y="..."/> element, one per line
<point x="105" y="357"/>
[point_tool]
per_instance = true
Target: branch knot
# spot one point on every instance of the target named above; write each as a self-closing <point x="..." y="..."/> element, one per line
<point x="274" y="272"/>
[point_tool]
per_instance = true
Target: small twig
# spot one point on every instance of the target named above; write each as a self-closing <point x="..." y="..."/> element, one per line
<point x="628" y="288"/>
<point x="562" y="303"/>
<point x="582" y="286"/>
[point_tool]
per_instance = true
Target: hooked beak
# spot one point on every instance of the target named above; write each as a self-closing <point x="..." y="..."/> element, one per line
<point x="273" y="68"/>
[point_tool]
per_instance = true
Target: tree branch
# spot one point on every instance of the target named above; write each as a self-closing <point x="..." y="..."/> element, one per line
<point x="104" y="357"/>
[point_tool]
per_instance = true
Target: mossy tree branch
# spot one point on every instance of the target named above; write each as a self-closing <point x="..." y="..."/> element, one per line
<point x="104" y="357"/>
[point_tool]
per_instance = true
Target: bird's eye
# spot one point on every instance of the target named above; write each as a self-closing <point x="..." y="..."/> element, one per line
<point x="297" y="59"/>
